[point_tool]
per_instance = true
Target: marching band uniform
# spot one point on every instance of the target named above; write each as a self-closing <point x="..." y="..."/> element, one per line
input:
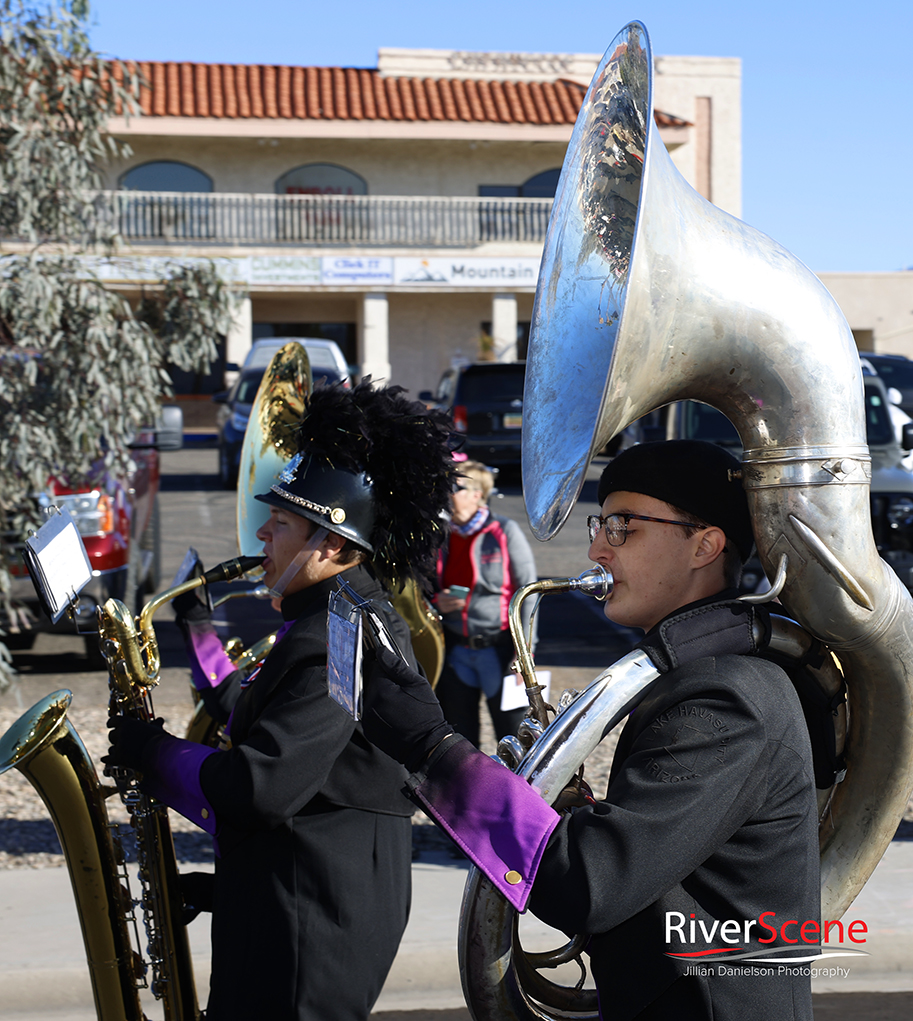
<point x="311" y="829"/>
<point x="717" y="755"/>
<point x="312" y="833"/>
<point x="710" y="814"/>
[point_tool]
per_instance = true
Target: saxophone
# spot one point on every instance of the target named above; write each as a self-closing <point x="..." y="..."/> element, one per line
<point x="45" y="747"/>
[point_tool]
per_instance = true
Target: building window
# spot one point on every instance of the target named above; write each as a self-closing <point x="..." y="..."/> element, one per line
<point x="165" y="175"/>
<point x="539" y="186"/>
<point x="499" y="191"/>
<point x="522" y="337"/>
<point x="321" y="179"/>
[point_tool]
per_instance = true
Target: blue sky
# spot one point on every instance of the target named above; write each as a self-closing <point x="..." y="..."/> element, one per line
<point x="827" y="101"/>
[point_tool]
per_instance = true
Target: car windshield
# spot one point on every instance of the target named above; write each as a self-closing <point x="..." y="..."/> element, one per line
<point x="491" y="384"/>
<point x="247" y="387"/>
<point x="895" y="372"/>
<point x="250" y="381"/>
<point x="701" y="422"/>
<point x="878" y="427"/>
<point x="319" y="355"/>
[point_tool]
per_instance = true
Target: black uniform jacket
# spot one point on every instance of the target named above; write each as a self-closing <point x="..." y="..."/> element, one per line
<point x="312" y="882"/>
<point x="710" y="813"/>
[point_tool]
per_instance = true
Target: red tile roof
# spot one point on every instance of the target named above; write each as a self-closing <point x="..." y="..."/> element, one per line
<point x="264" y="91"/>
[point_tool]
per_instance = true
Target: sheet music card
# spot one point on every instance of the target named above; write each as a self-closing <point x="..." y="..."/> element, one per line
<point x="58" y="564"/>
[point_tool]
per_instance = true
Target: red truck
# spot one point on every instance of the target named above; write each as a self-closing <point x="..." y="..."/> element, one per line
<point x="118" y="519"/>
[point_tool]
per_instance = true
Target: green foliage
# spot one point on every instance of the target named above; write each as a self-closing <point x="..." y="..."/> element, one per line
<point x="56" y="96"/>
<point x="79" y="370"/>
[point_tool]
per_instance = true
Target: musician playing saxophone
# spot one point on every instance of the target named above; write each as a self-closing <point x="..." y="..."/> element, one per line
<point x="697" y="877"/>
<point x="312" y="832"/>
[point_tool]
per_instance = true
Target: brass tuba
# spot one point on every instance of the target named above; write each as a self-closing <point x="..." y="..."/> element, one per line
<point x="660" y="296"/>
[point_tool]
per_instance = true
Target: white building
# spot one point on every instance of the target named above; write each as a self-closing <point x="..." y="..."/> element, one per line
<point x="400" y="210"/>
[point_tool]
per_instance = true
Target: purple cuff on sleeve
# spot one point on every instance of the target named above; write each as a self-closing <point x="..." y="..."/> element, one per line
<point x="500" y="822"/>
<point x="209" y="665"/>
<point x="172" y="775"/>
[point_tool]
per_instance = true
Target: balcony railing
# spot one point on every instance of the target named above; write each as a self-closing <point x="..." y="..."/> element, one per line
<point x="407" y="221"/>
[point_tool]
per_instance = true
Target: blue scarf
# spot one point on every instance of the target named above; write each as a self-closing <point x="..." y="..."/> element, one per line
<point x="473" y="525"/>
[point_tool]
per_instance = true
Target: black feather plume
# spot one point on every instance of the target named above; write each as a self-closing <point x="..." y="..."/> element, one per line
<point x="406" y="451"/>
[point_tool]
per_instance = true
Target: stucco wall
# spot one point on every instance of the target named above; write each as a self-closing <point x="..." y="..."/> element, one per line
<point x="678" y="83"/>
<point x="428" y="330"/>
<point x="390" y="167"/>
<point x="878" y="302"/>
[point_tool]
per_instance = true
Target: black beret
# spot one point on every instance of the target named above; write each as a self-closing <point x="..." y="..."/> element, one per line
<point x="694" y="476"/>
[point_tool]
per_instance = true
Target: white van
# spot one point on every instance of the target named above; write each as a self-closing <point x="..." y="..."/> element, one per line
<point x="323" y="354"/>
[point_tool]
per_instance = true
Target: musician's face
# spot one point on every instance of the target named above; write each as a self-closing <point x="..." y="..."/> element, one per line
<point x="658" y="568"/>
<point x="284" y="536"/>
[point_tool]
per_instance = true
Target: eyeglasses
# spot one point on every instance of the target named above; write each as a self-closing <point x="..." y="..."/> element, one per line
<point x="616" y="525"/>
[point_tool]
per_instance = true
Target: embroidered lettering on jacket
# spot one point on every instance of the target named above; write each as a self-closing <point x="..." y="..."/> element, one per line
<point x="694" y="738"/>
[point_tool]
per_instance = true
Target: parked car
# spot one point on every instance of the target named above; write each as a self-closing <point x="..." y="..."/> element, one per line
<point x="325" y="356"/>
<point x="891" y="491"/>
<point x="118" y="519"/>
<point x="486" y="402"/>
<point x="897" y="372"/>
<point x="327" y="366"/>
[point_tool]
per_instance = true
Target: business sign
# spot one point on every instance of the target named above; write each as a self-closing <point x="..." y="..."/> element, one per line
<point x="284" y="269"/>
<point x="362" y="271"/>
<point x="152" y="269"/>
<point x="321" y="179"/>
<point x="478" y="271"/>
<point x="336" y="270"/>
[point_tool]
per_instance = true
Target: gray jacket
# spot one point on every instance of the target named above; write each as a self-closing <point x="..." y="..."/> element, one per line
<point x="502" y="562"/>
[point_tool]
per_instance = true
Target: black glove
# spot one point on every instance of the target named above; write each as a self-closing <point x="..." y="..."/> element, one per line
<point x="197" y="889"/>
<point x="131" y="739"/>
<point x="401" y="715"/>
<point x="192" y="607"/>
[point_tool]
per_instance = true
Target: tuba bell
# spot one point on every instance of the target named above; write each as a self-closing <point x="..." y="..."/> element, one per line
<point x="656" y="295"/>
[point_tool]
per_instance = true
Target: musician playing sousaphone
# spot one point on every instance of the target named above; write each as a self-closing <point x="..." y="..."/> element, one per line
<point x="709" y="822"/>
<point x="312" y="832"/>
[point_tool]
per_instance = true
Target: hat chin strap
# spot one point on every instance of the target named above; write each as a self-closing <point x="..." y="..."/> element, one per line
<point x="303" y="555"/>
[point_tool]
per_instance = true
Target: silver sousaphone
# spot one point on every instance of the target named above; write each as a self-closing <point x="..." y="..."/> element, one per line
<point x="649" y="294"/>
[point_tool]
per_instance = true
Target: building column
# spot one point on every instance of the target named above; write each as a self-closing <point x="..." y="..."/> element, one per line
<point x="240" y="333"/>
<point x="703" y="145"/>
<point x="504" y="326"/>
<point x="374" y="342"/>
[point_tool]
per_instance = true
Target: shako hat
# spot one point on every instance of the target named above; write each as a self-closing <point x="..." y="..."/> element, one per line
<point x="698" y="477"/>
<point x="373" y="467"/>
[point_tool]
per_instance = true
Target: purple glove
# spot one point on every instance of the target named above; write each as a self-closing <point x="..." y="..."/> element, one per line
<point x="401" y="716"/>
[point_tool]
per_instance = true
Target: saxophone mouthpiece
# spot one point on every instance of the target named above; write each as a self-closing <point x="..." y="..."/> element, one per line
<point x="231" y="569"/>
